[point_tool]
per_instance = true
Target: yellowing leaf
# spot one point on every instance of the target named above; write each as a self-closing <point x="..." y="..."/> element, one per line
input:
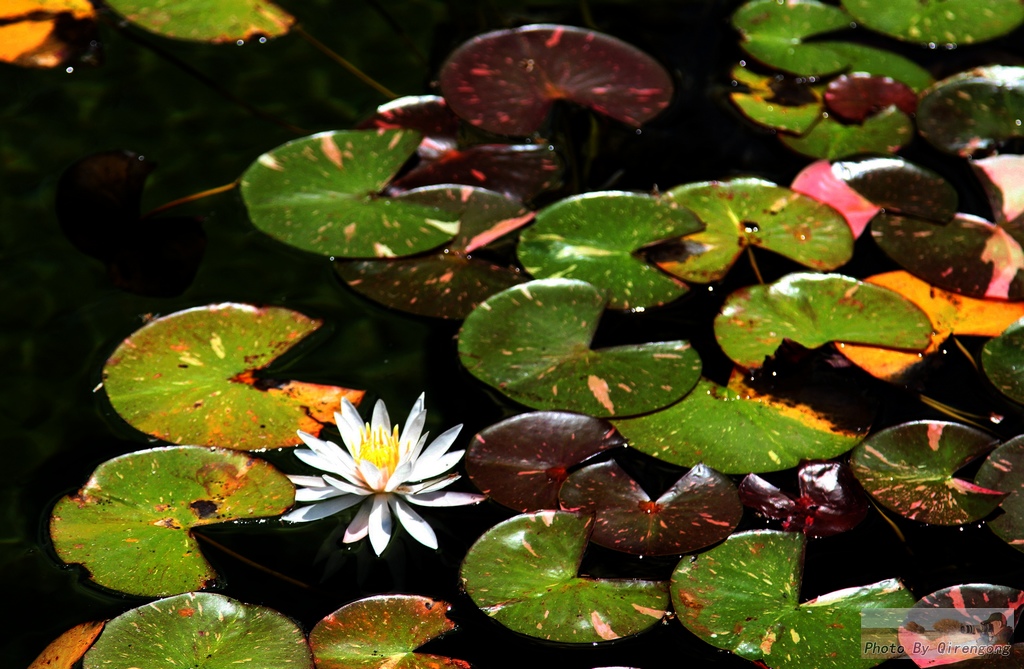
<point x="68" y="648"/>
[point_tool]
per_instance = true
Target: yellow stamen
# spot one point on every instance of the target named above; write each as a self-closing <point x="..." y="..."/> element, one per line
<point x="380" y="448"/>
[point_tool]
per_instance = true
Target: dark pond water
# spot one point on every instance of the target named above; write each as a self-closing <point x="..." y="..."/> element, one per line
<point x="61" y="317"/>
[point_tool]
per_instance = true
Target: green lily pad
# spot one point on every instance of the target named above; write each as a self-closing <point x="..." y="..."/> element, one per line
<point x="523" y="573"/>
<point x="200" y="630"/>
<point x="753" y="212"/>
<point x="596" y="237"/>
<point x="1003" y="361"/>
<point x="785" y="106"/>
<point x="189" y="378"/>
<point x="950" y="22"/>
<point x="130" y="526"/>
<point x="451" y="282"/>
<point x="532" y="342"/>
<point x="382" y="632"/>
<point x="909" y="469"/>
<point x="736" y="431"/>
<point x="744" y="596"/>
<point x="1004" y="470"/>
<point x="777" y="34"/>
<point x="973" y="112"/>
<point x="814" y="309"/>
<point x="322" y="194"/>
<point x="207" y="20"/>
<point x="885" y="132"/>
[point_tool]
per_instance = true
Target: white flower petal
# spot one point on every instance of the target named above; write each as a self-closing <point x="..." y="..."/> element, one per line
<point x="331" y="457"/>
<point x="413" y="426"/>
<point x="347" y="487"/>
<point x="360" y="525"/>
<point x="374" y="477"/>
<point x="308" y="481"/>
<point x="380" y="524"/>
<point x="399" y="476"/>
<point x="414" y="524"/>
<point x="317" y="494"/>
<point x="350" y="425"/>
<point x="425" y="469"/>
<point x="305" y="514"/>
<point x="446" y="498"/>
<point x="435" y="451"/>
<point x="430" y="485"/>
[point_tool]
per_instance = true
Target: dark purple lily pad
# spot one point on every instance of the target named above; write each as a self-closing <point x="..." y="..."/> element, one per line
<point x="450" y="282"/>
<point x="909" y="469"/>
<point x="1004" y="470"/>
<point x="900" y="187"/>
<point x="506" y="81"/>
<point x="1002" y="177"/>
<point x="855" y="97"/>
<point x="701" y="509"/>
<point x="428" y="115"/>
<point x="522" y="461"/>
<point x="830" y="500"/>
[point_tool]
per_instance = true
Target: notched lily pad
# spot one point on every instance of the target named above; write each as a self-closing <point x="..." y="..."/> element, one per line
<point x="950" y="22"/>
<point x="190" y="378"/>
<point x="382" y="632"/>
<point x="522" y="461"/>
<point x="909" y="469"/>
<point x="819" y="181"/>
<point x="787" y="104"/>
<point x="130" y="526"/>
<point x="855" y="97"/>
<point x="885" y="132"/>
<point x="214" y="21"/>
<point x="523" y="573"/>
<point x="1004" y="470"/>
<point x="699" y="510"/>
<point x="532" y="342"/>
<point x="200" y="630"/>
<point x="506" y="81"/>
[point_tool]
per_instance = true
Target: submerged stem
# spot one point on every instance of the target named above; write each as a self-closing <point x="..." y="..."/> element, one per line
<point x="967" y="354"/>
<point x="266" y="570"/>
<point x="753" y="266"/>
<point x="953" y="412"/>
<point x="352" y="69"/>
<point x="190" y="198"/>
<point x="892" y="524"/>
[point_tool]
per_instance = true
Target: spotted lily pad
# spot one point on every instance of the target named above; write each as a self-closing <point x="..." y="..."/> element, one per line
<point x="597" y="237"/>
<point x="885" y="132"/>
<point x="1004" y="470"/>
<point x="451" y="282"/>
<point x="909" y="469"/>
<point x="522" y="461"/>
<point x="744" y="596"/>
<point x="130" y="526"/>
<point x="506" y="81"/>
<point x="786" y="104"/>
<point x="819" y="181"/>
<point x="322" y="194"/>
<point x="200" y="630"/>
<point x="900" y="187"/>
<point x="207" y="20"/>
<point x="190" y="378"/>
<point x="1003" y="361"/>
<point x="523" y="573"/>
<point x="532" y="342"/>
<point x="753" y="212"/>
<point x="1003" y="180"/>
<point x="699" y="510"/>
<point x="69" y="647"/>
<point x="814" y="309"/>
<point x="381" y="633"/>
<point x="950" y="22"/>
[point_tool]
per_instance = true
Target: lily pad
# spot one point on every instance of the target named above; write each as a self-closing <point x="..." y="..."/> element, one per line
<point x="699" y="510"/>
<point x="885" y="132"/>
<point x="322" y="194"/>
<point x="776" y="101"/>
<point x="507" y="80"/>
<point x="428" y="115"/>
<point x="737" y="430"/>
<point x="69" y="647"/>
<point x="1002" y="470"/>
<point x="814" y="309"/>
<point x="973" y="112"/>
<point x="596" y="237"/>
<point x="45" y="33"/>
<point x="744" y="596"/>
<point x="900" y="187"/>
<point x="819" y="181"/>
<point x="205" y="21"/>
<point x="522" y="461"/>
<point x="190" y="378"/>
<point x="909" y="469"/>
<point x="1003" y="180"/>
<point x="753" y="212"/>
<point x="858" y="96"/>
<point x="532" y="342"/>
<point x="950" y="314"/>
<point x="1003" y="361"/>
<point x="523" y="573"/>
<point x="950" y="22"/>
<point x="451" y="282"/>
<point x="130" y="526"/>
<point x="382" y="632"/>
<point x="200" y="630"/>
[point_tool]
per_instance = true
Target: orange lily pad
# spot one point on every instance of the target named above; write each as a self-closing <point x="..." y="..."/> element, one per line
<point x="68" y="648"/>
<point x="44" y="33"/>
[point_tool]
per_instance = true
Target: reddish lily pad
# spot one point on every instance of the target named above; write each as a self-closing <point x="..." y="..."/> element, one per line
<point x="830" y="500"/>
<point x="744" y="596"/>
<point x="190" y="378"/>
<point x="506" y="81"/>
<point x="322" y="194"/>
<point x="753" y="212"/>
<point x="131" y="525"/>
<point x="596" y="237"/>
<point x="819" y="181"/>
<point x="885" y="132"/>
<point x="900" y="187"/>
<point x="428" y="115"/>
<point x="532" y="342"/>
<point x="1003" y="180"/>
<point x="522" y="461"/>
<point x="523" y="573"/>
<point x="382" y="632"/>
<point x="45" y="33"/>
<point x="214" y="21"/>
<point x="909" y="469"/>
<point x="1002" y="470"/>
<point x="69" y="647"/>
<point x="200" y="630"/>
<point x="1003" y="361"/>
<point x="951" y="22"/>
<point x="814" y="309"/>
<point x="451" y="282"/>
<point x="699" y="510"/>
<point x="855" y="97"/>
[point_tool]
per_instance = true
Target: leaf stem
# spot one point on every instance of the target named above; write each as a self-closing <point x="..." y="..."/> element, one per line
<point x="255" y="565"/>
<point x="396" y="27"/>
<point x="190" y="198"/>
<point x="953" y="412"/>
<point x="892" y="524"/>
<point x="967" y="354"/>
<point x="352" y="69"/>
<point x="753" y="266"/>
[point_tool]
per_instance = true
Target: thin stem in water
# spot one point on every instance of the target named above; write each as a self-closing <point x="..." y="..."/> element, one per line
<point x="190" y="198"/>
<point x="352" y="69"/>
<point x="255" y="565"/>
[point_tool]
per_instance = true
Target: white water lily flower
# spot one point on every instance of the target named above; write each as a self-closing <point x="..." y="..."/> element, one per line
<point x="385" y="469"/>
